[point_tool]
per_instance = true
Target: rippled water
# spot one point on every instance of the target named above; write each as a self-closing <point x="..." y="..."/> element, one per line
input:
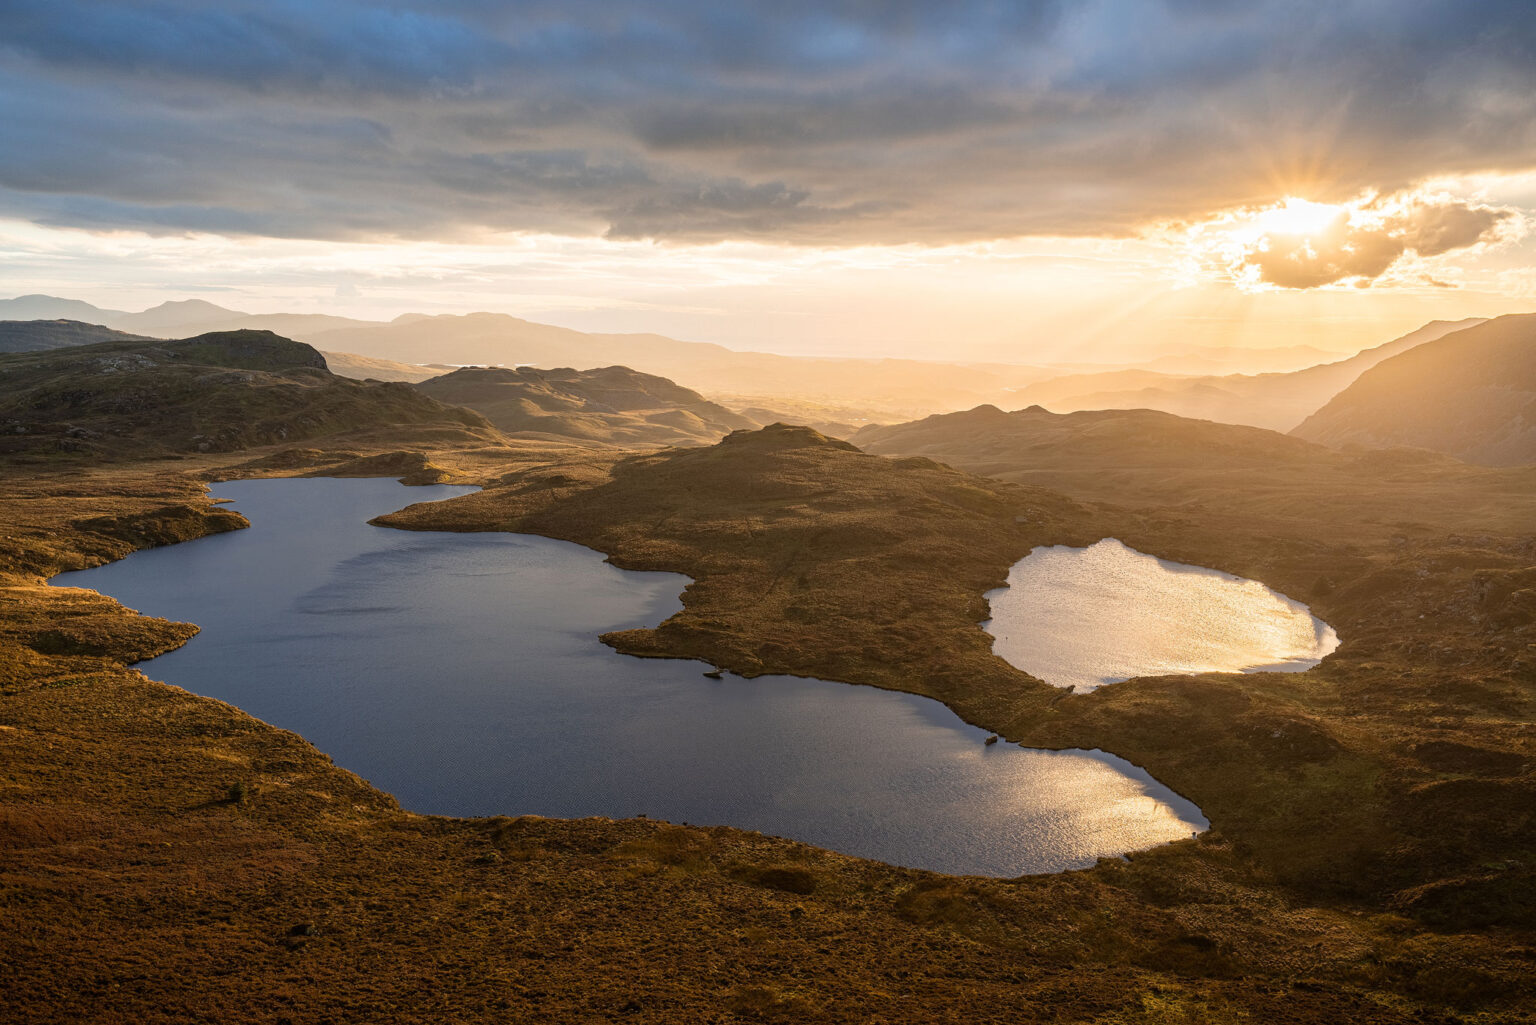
<point x="462" y="673"/>
<point x="1084" y="617"/>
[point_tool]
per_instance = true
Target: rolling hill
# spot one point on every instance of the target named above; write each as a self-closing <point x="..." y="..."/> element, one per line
<point x="216" y="392"/>
<point x="989" y="441"/>
<point x="609" y="406"/>
<point x="1470" y="394"/>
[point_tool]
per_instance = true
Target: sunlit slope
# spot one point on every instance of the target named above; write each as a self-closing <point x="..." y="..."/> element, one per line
<point x="1471" y="394"/>
<point x="611" y="405"/>
<point x="1275" y="401"/>
<point x="366" y="368"/>
<point x="213" y="393"/>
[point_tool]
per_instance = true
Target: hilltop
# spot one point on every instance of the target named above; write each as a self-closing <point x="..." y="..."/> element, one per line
<point x="1470" y="394"/>
<point x="610" y="406"/>
<point x="215" y="392"/>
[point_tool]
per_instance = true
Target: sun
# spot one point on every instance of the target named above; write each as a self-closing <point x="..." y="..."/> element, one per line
<point x="1298" y="217"/>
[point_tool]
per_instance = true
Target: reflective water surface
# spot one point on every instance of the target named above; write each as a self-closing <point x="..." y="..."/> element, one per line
<point x="462" y="673"/>
<point x="1084" y="617"/>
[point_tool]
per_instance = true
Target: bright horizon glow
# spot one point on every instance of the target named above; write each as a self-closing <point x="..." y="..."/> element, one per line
<point x="1086" y="300"/>
<point x="1097" y="182"/>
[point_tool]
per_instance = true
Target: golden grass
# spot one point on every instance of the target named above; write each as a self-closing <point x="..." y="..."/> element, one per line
<point x="1369" y="860"/>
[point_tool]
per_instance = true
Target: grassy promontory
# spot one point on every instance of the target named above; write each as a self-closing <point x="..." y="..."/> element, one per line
<point x="166" y="857"/>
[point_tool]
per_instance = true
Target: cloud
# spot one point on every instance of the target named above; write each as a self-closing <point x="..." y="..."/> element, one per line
<point x="1362" y="245"/>
<point x="833" y="122"/>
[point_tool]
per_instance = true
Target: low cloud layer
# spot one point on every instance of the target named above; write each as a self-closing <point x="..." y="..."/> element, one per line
<point x="827" y="123"/>
<point x="1362" y="246"/>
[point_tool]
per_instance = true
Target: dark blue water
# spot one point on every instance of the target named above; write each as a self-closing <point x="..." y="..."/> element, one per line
<point x="462" y="673"/>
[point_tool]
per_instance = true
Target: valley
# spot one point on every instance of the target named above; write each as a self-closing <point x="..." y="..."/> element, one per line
<point x="1369" y="817"/>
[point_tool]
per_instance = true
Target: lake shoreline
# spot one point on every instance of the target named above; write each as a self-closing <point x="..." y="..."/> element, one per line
<point x="373" y="878"/>
<point x="566" y="723"/>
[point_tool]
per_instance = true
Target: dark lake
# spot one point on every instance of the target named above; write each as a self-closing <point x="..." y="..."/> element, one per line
<point x="463" y="674"/>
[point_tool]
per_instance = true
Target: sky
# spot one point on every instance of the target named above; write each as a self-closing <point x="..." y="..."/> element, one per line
<point x="969" y="180"/>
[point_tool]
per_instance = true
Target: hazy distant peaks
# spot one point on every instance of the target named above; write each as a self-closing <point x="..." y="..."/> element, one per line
<point x="1470" y="394"/>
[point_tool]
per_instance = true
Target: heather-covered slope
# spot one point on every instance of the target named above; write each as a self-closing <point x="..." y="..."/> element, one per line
<point x="1388" y="788"/>
<point x="813" y="558"/>
<point x="1471" y="394"/>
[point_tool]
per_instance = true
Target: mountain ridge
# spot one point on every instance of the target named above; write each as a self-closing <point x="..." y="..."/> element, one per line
<point x="1469" y="394"/>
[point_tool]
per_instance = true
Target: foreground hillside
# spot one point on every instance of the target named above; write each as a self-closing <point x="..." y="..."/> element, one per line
<point x="167" y="858"/>
<point x="609" y="406"/>
<point x="814" y="558"/>
<point x="1277" y="401"/>
<point x="213" y="393"/>
<point x="1471" y="394"/>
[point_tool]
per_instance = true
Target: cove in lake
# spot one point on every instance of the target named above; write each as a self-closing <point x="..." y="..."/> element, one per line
<point x="1084" y="617"/>
<point x="462" y="673"/>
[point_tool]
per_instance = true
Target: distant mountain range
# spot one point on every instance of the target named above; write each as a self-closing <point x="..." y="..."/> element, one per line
<point x="894" y="387"/>
<point x="172" y="319"/>
<point x="1470" y="394"/>
<point x="837" y="394"/>
<point x="826" y="390"/>
<point x="1279" y="401"/>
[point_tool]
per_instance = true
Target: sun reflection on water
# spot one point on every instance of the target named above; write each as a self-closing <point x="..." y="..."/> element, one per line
<point x="1084" y="617"/>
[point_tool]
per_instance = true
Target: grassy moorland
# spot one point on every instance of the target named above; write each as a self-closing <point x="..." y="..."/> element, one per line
<point x="167" y="857"/>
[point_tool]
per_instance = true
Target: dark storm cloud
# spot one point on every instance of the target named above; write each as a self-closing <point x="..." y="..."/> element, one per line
<point x="827" y="122"/>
